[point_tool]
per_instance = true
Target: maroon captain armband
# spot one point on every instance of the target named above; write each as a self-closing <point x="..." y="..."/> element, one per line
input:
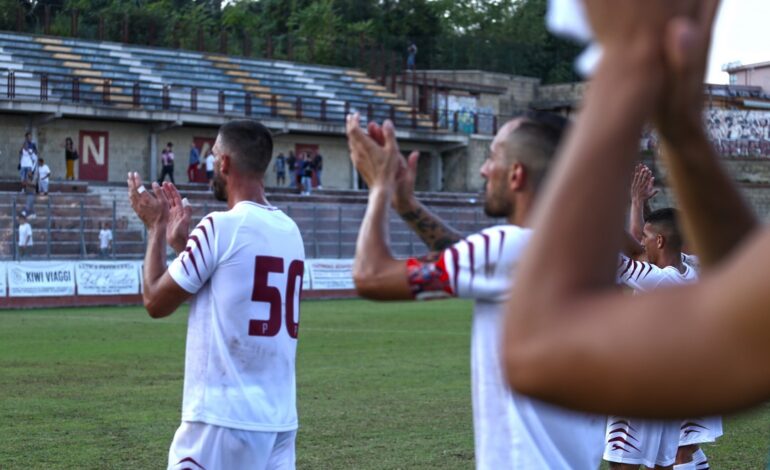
<point x="428" y="277"/>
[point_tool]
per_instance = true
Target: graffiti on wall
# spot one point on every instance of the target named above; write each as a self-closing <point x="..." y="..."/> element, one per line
<point x="465" y="113"/>
<point x="734" y="133"/>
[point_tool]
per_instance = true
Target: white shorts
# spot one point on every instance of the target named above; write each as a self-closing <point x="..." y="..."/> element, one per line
<point x="201" y="446"/>
<point x="641" y="441"/>
<point x="700" y="430"/>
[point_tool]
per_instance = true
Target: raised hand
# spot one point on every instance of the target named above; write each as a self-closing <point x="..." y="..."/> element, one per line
<point x="179" y="218"/>
<point x="643" y="185"/>
<point x="680" y="107"/>
<point x="377" y="163"/>
<point x="151" y="206"/>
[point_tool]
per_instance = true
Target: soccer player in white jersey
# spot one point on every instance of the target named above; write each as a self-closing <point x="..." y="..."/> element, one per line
<point x="511" y="430"/>
<point x="632" y="442"/>
<point x="692" y="432"/>
<point x="242" y="271"/>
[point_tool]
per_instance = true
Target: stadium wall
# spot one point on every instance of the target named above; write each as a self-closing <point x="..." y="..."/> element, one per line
<point x="130" y="148"/>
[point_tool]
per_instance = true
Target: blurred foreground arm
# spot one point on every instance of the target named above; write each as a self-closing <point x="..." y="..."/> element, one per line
<point x="715" y="217"/>
<point x="569" y="336"/>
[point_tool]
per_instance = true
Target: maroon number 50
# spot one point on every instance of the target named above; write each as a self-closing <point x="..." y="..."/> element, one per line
<point x="263" y="292"/>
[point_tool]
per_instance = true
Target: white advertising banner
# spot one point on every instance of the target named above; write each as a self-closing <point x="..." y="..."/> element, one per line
<point x="3" y="281"/>
<point x="331" y="274"/>
<point x="107" y="278"/>
<point x="41" y="279"/>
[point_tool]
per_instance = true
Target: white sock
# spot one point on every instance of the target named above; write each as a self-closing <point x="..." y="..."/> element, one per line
<point x="700" y="460"/>
<point x="685" y="466"/>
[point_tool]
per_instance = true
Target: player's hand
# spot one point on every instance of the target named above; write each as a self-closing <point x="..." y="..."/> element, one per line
<point x="378" y="164"/>
<point x="150" y="206"/>
<point x="679" y="111"/>
<point x="643" y="185"/>
<point x="179" y="218"/>
<point x="403" y="197"/>
<point x="630" y="24"/>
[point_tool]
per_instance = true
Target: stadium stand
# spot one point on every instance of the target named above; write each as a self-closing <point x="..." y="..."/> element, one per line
<point x="123" y="75"/>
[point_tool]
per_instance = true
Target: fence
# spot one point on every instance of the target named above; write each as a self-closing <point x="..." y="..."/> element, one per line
<point x="67" y="227"/>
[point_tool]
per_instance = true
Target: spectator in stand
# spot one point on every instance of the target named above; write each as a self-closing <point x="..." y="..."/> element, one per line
<point x="105" y="240"/>
<point x="25" y="235"/>
<point x="167" y="162"/>
<point x="280" y="169"/>
<point x="29" y="188"/>
<point x="195" y="161"/>
<point x="28" y="143"/>
<point x="307" y="175"/>
<point x="291" y="162"/>
<point x="43" y="176"/>
<point x="318" y="167"/>
<point x="209" y="162"/>
<point x="411" y="56"/>
<point x="27" y="159"/>
<point x="70" y="155"/>
<point x="299" y="170"/>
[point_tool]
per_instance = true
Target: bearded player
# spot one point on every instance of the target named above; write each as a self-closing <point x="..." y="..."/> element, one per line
<point x="511" y="430"/>
<point x="242" y="271"/>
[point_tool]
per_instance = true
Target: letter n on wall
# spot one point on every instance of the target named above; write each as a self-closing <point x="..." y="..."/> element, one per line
<point x="94" y="155"/>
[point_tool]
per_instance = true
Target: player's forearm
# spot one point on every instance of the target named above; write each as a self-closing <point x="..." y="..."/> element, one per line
<point x="585" y="195"/>
<point x="636" y="218"/>
<point x="154" y="267"/>
<point x="436" y="234"/>
<point x="372" y="250"/>
<point x="601" y="149"/>
<point x="708" y="198"/>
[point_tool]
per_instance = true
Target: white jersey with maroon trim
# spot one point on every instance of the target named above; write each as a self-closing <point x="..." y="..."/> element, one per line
<point x="641" y="441"/>
<point x="245" y="267"/>
<point x="511" y="430"/>
<point x="643" y="277"/>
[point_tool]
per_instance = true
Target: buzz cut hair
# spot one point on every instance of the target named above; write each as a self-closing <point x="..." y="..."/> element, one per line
<point x="666" y="222"/>
<point x="249" y="144"/>
<point x="536" y="141"/>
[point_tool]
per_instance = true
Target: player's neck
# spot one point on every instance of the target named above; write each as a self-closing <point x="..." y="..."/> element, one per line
<point x="671" y="259"/>
<point x="522" y="209"/>
<point x="250" y="189"/>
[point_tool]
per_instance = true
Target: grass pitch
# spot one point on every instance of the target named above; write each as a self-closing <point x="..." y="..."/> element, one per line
<point x="381" y="386"/>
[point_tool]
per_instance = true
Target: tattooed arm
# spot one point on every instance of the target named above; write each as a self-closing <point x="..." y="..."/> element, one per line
<point x="437" y="235"/>
<point x="433" y="231"/>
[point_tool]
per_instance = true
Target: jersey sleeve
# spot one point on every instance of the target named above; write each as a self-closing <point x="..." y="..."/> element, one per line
<point x="479" y="267"/>
<point x="195" y="265"/>
<point x="639" y="275"/>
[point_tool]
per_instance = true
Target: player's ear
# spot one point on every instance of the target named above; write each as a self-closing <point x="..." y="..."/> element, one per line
<point x="660" y="240"/>
<point x="224" y="164"/>
<point x="517" y="177"/>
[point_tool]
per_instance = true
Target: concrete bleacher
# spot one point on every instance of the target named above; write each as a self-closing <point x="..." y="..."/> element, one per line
<point x="275" y="87"/>
<point x="328" y="220"/>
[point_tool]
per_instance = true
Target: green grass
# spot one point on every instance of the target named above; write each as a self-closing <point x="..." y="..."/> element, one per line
<point x="381" y="386"/>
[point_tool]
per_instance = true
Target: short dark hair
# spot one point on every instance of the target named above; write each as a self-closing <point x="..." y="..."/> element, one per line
<point x="169" y="144"/>
<point x="537" y="139"/>
<point x="666" y="222"/>
<point x="249" y="143"/>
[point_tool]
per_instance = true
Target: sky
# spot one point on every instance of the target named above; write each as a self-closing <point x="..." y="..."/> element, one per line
<point x="742" y="34"/>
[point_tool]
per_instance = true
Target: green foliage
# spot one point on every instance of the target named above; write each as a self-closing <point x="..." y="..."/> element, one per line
<point x="506" y="36"/>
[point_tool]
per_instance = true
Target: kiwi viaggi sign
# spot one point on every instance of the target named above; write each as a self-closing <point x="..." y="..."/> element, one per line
<point x="41" y="279"/>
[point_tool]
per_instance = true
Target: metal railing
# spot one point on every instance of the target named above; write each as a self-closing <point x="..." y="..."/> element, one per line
<point x="149" y="96"/>
<point x="70" y="230"/>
